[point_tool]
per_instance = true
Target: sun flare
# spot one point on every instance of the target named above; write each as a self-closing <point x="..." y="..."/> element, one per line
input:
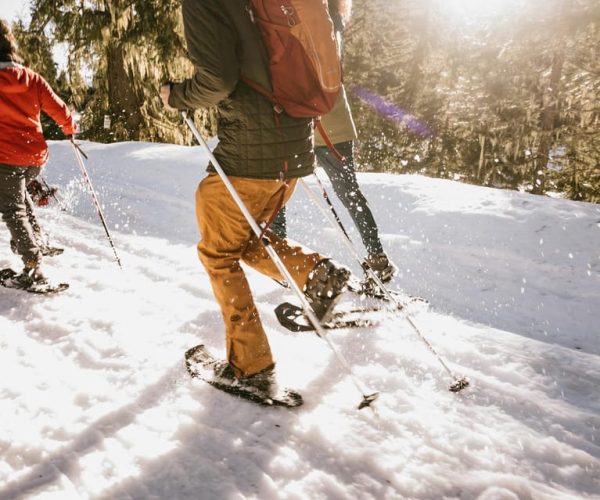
<point x="457" y="10"/>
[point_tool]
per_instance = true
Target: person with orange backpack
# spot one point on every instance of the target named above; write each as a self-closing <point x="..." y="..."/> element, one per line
<point x="338" y="164"/>
<point x="244" y="54"/>
<point x="23" y="153"/>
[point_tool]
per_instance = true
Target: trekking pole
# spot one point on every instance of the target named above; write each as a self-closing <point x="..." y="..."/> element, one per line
<point x="458" y="383"/>
<point x="321" y="332"/>
<point x="336" y="222"/>
<point x="79" y="154"/>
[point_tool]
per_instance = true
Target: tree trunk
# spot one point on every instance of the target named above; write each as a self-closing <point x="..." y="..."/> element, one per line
<point x="481" y="155"/>
<point x="124" y="104"/>
<point x="547" y="124"/>
<point x="415" y="73"/>
<point x="549" y="111"/>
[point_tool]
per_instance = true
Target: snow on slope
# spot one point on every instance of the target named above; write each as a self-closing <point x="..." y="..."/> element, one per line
<point x="95" y="402"/>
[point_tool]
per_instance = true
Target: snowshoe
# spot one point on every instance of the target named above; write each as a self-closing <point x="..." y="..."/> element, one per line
<point x="41" y="192"/>
<point x="48" y="251"/>
<point x="292" y="317"/>
<point x="257" y="388"/>
<point x="367" y="288"/>
<point x="23" y="281"/>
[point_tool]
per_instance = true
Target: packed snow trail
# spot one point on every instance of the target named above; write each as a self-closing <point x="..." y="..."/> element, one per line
<point x="96" y="402"/>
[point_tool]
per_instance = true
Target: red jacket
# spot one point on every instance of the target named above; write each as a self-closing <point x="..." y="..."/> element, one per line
<point x="23" y="95"/>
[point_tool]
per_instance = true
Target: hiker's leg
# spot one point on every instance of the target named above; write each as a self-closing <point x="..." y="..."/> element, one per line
<point x="345" y="185"/>
<point x="225" y="232"/>
<point x="279" y="226"/>
<point x="35" y="226"/>
<point x="13" y="182"/>
<point x="298" y="260"/>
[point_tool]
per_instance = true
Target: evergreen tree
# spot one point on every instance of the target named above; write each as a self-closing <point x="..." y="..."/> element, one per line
<point x="506" y="96"/>
<point x="119" y="54"/>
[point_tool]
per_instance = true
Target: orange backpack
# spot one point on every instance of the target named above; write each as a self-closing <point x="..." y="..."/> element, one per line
<point x="305" y="64"/>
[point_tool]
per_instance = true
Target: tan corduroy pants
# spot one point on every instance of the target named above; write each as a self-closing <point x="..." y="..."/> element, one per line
<point x="228" y="239"/>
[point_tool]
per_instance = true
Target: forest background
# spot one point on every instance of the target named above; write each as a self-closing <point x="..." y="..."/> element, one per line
<point x="501" y="93"/>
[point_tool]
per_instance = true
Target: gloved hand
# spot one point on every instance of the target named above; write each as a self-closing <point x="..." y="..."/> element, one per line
<point x="70" y="128"/>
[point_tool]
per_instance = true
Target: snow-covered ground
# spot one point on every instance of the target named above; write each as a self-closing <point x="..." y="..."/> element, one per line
<point x="95" y="401"/>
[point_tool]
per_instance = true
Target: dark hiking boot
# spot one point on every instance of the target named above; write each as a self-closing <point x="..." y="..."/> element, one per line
<point x="31" y="277"/>
<point x="381" y="266"/>
<point x="264" y="381"/>
<point x="34" y="274"/>
<point x="324" y="286"/>
<point x="223" y="371"/>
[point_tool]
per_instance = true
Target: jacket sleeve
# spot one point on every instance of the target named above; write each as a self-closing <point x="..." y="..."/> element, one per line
<point x="55" y="108"/>
<point x="211" y="42"/>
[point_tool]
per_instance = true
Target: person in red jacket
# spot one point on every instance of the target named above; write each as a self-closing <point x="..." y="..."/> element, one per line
<point x="23" y="150"/>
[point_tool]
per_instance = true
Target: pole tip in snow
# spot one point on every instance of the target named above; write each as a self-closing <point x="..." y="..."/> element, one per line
<point x="459" y="384"/>
<point x="368" y="400"/>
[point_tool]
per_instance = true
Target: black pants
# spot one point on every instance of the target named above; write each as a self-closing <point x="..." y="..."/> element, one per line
<point x="16" y="208"/>
<point x="343" y="179"/>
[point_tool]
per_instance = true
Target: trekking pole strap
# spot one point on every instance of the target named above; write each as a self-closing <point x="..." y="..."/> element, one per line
<point x="78" y="147"/>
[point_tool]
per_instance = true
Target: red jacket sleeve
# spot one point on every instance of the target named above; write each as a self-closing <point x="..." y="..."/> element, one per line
<point x="55" y="108"/>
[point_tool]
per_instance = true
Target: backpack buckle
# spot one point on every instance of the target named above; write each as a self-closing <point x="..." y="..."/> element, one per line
<point x="250" y="13"/>
<point x="289" y="12"/>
